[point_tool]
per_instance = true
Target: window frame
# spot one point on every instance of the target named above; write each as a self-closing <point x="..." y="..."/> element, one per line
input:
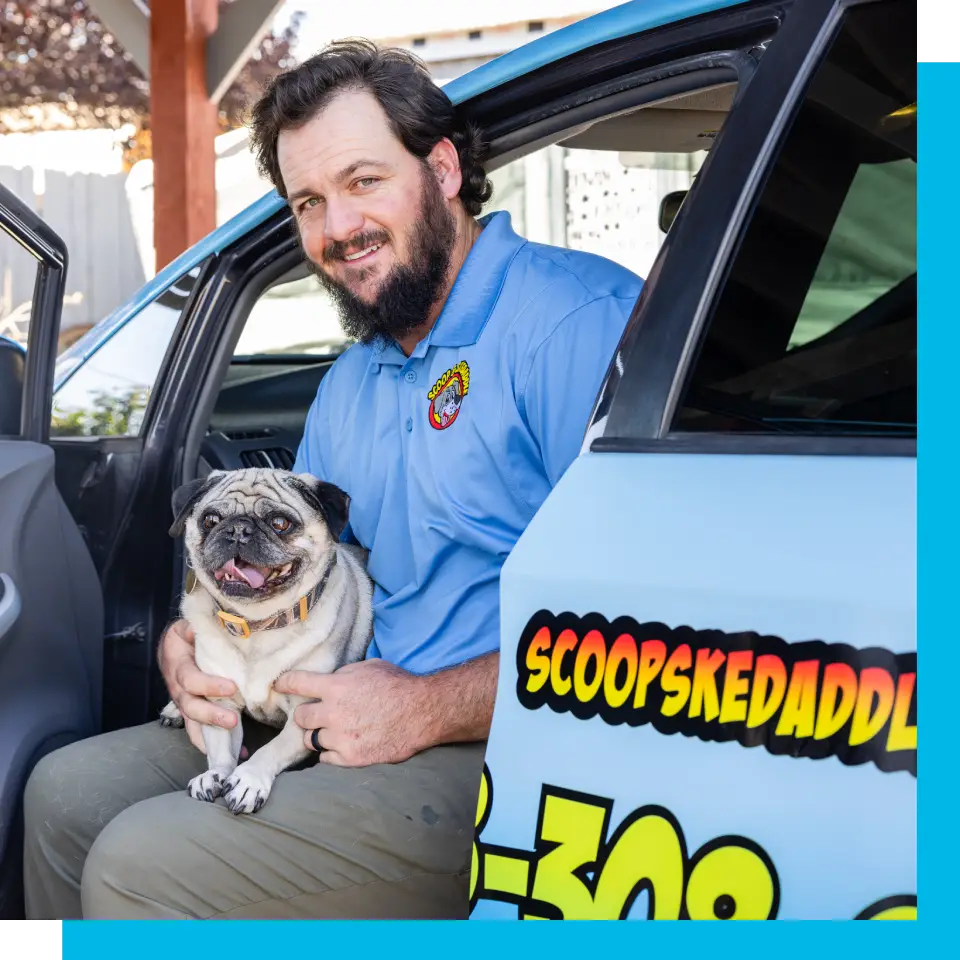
<point x="36" y="237"/>
<point x="639" y="400"/>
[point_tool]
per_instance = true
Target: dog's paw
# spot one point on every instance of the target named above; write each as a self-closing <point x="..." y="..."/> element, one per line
<point x="246" y="789"/>
<point x="208" y="786"/>
<point x="170" y="716"/>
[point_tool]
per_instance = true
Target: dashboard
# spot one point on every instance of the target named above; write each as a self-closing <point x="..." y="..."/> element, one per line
<point x="261" y="410"/>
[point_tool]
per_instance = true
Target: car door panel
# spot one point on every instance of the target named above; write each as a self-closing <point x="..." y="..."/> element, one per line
<point x="51" y="653"/>
<point x="9" y="604"/>
<point x="685" y="556"/>
<point x="51" y="607"/>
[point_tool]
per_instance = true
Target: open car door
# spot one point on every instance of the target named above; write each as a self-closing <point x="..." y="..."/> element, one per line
<point x="707" y="703"/>
<point x="51" y="607"/>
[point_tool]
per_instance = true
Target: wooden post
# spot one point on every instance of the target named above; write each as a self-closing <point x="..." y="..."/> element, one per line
<point x="183" y="125"/>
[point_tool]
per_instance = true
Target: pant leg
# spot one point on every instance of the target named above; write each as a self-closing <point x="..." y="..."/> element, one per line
<point x="389" y="841"/>
<point x="74" y="792"/>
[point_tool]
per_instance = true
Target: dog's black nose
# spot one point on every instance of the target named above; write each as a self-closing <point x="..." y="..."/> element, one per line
<point x="240" y="530"/>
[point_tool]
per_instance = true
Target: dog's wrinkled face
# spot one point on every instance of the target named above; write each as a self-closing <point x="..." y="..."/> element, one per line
<point x="259" y="539"/>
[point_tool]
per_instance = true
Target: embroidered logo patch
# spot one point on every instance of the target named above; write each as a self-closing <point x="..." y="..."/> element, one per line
<point x="447" y="396"/>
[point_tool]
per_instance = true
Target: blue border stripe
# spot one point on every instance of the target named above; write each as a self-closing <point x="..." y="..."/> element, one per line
<point x="485" y="939"/>
<point x="938" y="527"/>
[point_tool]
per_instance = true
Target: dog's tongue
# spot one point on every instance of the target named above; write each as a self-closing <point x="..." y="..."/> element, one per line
<point x="252" y="575"/>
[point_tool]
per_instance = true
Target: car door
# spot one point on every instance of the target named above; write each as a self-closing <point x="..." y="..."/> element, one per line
<point x="51" y="609"/>
<point x="707" y="697"/>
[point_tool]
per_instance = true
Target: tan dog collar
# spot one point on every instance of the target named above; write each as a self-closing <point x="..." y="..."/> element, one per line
<point x="241" y="627"/>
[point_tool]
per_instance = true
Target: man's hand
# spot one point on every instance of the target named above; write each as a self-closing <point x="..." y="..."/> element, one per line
<point x="189" y="686"/>
<point x="374" y="712"/>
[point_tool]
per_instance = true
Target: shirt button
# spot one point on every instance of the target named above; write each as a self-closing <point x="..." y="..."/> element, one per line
<point x="409" y="424"/>
<point x="410" y="376"/>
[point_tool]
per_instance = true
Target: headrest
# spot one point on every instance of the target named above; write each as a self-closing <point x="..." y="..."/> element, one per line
<point x="12" y="363"/>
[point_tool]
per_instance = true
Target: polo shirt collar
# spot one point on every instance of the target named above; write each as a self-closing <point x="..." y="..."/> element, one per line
<point x="474" y="293"/>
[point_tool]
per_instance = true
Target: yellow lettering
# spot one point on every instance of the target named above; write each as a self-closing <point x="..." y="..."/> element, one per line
<point x="676" y="687"/>
<point x="564" y="644"/>
<point x="874" y="704"/>
<point x="837" y="678"/>
<point x="653" y="653"/>
<point x="799" y="711"/>
<point x="732" y="709"/>
<point x="537" y="662"/>
<point x="902" y="735"/>
<point x="703" y="696"/>
<point x="769" y="684"/>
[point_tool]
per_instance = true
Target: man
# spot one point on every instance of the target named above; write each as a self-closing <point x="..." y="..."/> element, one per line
<point x="478" y="360"/>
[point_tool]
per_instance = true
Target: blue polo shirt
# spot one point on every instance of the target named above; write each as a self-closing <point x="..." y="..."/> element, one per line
<point x="448" y="453"/>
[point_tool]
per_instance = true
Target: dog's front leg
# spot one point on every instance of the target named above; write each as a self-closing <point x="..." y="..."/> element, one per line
<point x="247" y="788"/>
<point x="223" y="752"/>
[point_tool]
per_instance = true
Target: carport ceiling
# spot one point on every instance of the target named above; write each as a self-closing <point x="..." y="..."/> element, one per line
<point x="240" y="28"/>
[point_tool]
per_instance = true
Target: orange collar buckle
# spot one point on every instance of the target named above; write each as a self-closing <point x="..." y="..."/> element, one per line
<point x="234" y="625"/>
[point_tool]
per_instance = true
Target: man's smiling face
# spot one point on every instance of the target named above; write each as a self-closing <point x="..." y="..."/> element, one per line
<point x="355" y="192"/>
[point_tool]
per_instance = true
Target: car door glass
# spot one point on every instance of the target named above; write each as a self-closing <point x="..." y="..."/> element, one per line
<point x="815" y="328"/>
<point x="18" y="274"/>
<point x="293" y="317"/>
<point x="604" y="202"/>
<point x="106" y="394"/>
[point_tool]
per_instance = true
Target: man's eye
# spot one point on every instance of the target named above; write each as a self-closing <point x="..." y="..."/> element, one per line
<point x="310" y="203"/>
<point x="210" y="521"/>
<point x="366" y="181"/>
<point x="280" y="524"/>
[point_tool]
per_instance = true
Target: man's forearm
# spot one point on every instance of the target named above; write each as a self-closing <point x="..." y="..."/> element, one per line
<point x="457" y="703"/>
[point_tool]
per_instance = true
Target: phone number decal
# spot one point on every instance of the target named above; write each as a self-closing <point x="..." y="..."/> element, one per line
<point x="578" y="870"/>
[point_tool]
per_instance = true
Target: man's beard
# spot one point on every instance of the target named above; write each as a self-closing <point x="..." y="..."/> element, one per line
<point x="408" y="292"/>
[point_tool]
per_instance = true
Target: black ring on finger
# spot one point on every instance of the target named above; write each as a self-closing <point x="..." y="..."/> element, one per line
<point x="315" y="740"/>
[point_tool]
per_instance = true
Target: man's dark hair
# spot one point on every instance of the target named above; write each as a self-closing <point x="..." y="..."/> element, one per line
<point x="419" y="112"/>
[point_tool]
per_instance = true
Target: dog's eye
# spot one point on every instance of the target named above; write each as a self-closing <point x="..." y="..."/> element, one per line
<point x="280" y="524"/>
<point x="210" y="521"/>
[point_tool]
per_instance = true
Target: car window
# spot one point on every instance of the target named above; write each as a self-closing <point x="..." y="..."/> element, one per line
<point x="815" y="328"/>
<point x="106" y="394"/>
<point x="294" y="317"/>
<point x="599" y="201"/>
<point x="18" y="274"/>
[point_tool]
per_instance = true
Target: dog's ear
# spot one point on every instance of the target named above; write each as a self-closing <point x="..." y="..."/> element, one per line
<point x="185" y="498"/>
<point x="332" y="503"/>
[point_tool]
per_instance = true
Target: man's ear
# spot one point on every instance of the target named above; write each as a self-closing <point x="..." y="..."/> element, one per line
<point x="445" y="163"/>
<point x="185" y="498"/>
<point x="332" y="503"/>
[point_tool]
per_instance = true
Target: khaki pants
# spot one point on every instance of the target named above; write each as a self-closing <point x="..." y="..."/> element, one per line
<point x="110" y="833"/>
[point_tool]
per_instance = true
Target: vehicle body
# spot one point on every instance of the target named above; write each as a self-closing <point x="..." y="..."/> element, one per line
<point x="747" y="483"/>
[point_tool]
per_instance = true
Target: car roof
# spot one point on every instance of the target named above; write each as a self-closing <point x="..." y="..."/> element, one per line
<point x="629" y="18"/>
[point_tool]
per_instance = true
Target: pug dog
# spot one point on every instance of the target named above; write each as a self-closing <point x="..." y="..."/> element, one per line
<point x="274" y="590"/>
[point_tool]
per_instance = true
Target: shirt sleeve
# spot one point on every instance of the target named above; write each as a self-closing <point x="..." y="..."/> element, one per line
<point x="565" y="377"/>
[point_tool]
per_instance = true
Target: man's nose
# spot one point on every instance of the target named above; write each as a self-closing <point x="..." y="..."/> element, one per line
<point x="343" y="220"/>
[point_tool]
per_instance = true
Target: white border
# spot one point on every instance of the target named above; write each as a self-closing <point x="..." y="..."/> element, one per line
<point x="938" y="31"/>
<point x="37" y="939"/>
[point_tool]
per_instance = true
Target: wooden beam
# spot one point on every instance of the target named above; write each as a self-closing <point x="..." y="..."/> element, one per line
<point x="183" y="126"/>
